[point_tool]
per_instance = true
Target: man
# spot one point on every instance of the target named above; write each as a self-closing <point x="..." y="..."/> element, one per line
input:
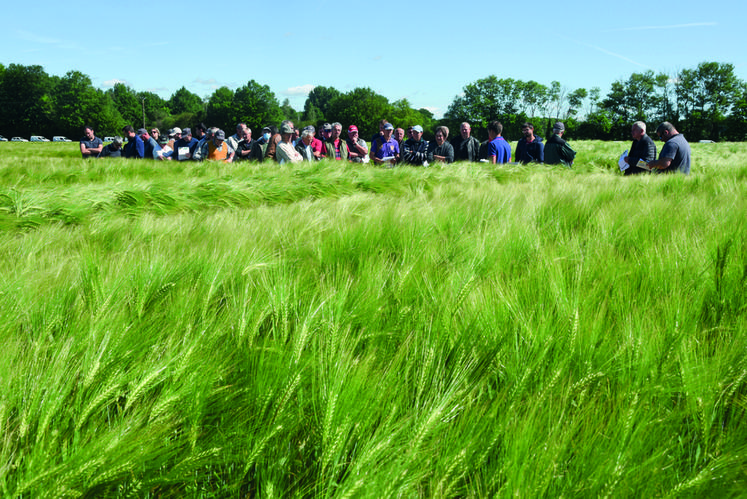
<point x="399" y="135"/>
<point x="215" y="149"/>
<point x="184" y="147"/>
<point x="440" y="150"/>
<point x="530" y="148"/>
<point x="285" y="152"/>
<point x="381" y="131"/>
<point x="200" y="131"/>
<point x="357" y="148"/>
<point x="248" y="149"/>
<point x="272" y="145"/>
<point x="304" y="145"/>
<point x="557" y="150"/>
<point x="113" y="150"/>
<point x="499" y="151"/>
<point x="316" y="144"/>
<point x="167" y="150"/>
<point x="151" y="146"/>
<point x="135" y="149"/>
<point x="675" y="155"/>
<point x="642" y="148"/>
<point x="384" y="149"/>
<point x="234" y="139"/>
<point x="90" y="145"/>
<point x="416" y="149"/>
<point x="466" y="147"/>
<point x="334" y="147"/>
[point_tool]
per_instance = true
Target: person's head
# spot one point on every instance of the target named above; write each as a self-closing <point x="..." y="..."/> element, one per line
<point x="218" y="136"/>
<point x="527" y="130"/>
<point x="211" y="132"/>
<point x="409" y="132"/>
<point x="387" y="130"/>
<point x="240" y="129"/>
<point x="399" y="134"/>
<point x="187" y="134"/>
<point x="353" y="133"/>
<point x="665" y="131"/>
<point x="336" y="130"/>
<point x="286" y="132"/>
<point x="246" y="133"/>
<point x="326" y="131"/>
<point x="143" y="133"/>
<point x="128" y="132"/>
<point x="175" y="133"/>
<point x="442" y="133"/>
<point x="495" y="129"/>
<point x="88" y="132"/>
<point x="117" y="142"/>
<point x="307" y="136"/>
<point x="417" y="132"/>
<point x="155" y="133"/>
<point x="558" y="128"/>
<point x="465" y="130"/>
<point x="200" y="130"/>
<point x="638" y="130"/>
<point x="381" y="125"/>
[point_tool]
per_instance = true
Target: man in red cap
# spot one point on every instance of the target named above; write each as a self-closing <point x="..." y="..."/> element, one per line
<point x="357" y="148"/>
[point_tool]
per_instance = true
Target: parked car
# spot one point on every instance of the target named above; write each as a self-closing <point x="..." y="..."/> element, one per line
<point x="3" y="139"/>
<point x="108" y="139"/>
<point x="18" y="139"/>
<point x="38" y="138"/>
<point x="60" y="138"/>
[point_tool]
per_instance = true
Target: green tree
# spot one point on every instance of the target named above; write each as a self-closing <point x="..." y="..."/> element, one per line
<point x="126" y="102"/>
<point x="26" y="104"/>
<point x="78" y="103"/>
<point x="318" y="102"/>
<point x="184" y="101"/>
<point x="255" y="105"/>
<point x="361" y="107"/>
<point x="705" y="96"/>
<point x="289" y="113"/>
<point x="220" y="109"/>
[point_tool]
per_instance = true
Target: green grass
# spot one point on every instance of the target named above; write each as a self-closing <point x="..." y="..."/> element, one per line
<point x="198" y="330"/>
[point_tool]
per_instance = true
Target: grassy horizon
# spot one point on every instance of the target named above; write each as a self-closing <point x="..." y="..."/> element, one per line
<point x="207" y="330"/>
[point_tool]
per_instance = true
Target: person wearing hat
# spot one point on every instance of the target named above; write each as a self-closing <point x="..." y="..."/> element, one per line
<point x="416" y="149"/>
<point x="357" y="147"/>
<point x="530" y="147"/>
<point x="215" y="149"/>
<point x="167" y="151"/>
<point x="557" y="150"/>
<point x="285" y="152"/>
<point x="384" y="149"/>
<point x="135" y="148"/>
<point x="275" y="140"/>
<point x="113" y="150"/>
<point x="334" y="147"/>
<point x="184" y="147"/>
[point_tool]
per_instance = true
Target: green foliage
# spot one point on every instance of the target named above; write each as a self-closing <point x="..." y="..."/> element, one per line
<point x="471" y="330"/>
<point x="184" y="101"/>
<point x="26" y="102"/>
<point x="127" y="103"/>
<point x="362" y="107"/>
<point x="257" y="106"/>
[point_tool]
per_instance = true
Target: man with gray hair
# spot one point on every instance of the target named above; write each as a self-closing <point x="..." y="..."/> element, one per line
<point x="466" y="147"/>
<point x="334" y="147"/>
<point x="642" y="148"/>
<point x="675" y="155"/>
<point x="557" y="150"/>
<point x="303" y="146"/>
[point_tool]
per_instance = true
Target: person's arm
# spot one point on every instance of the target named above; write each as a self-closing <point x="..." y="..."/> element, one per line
<point x="541" y="155"/>
<point x="660" y="164"/>
<point x="449" y="157"/>
<point x="650" y="150"/>
<point x="668" y="152"/>
<point x="84" y="150"/>
<point x="140" y="147"/>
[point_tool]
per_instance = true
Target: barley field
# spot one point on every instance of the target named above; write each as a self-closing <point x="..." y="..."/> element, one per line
<point x="469" y="330"/>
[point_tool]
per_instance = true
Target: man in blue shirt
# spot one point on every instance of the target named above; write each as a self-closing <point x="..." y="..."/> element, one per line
<point x="498" y="149"/>
<point x="135" y="148"/>
<point x="384" y="149"/>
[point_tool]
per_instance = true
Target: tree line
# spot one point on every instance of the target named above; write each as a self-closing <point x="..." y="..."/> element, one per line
<point x="705" y="102"/>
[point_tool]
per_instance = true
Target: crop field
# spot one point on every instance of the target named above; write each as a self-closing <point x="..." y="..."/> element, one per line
<point x="468" y="330"/>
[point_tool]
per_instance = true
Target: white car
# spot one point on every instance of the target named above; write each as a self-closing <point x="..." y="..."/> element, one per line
<point x="38" y="138"/>
<point x="108" y="139"/>
<point x="18" y="139"/>
<point x="60" y="138"/>
<point x="3" y="139"/>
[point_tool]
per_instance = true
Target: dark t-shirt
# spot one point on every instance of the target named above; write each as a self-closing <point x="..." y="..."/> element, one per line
<point x="91" y="144"/>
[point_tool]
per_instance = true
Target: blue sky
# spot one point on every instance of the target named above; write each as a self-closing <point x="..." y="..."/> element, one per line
<point x="425" y="52"/>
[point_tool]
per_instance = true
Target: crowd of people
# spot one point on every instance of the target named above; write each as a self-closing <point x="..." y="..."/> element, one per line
<point x="389" y="147"/>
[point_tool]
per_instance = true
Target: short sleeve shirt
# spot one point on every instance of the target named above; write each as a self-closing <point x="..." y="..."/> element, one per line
<point x="91" y="144"/>
<point x="678" y="150"/>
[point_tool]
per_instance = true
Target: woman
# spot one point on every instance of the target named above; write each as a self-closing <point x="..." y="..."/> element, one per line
<point x="441" y="150"/>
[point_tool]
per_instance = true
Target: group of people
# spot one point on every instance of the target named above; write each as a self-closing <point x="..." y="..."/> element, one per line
<point x="389" y="147"/>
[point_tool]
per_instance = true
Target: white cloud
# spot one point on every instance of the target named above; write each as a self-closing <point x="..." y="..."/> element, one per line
<point x="209" y="81"/>
<point x="113" y="81"/>
<point x="302" y="90"/>
<point x="432" y="109"/>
